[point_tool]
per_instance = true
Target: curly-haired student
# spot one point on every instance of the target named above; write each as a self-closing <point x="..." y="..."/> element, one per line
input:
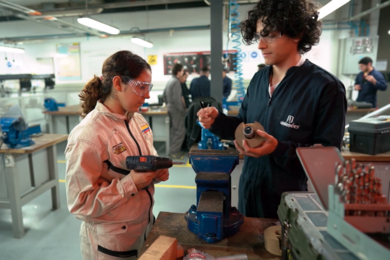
<point x="298" y="103"/>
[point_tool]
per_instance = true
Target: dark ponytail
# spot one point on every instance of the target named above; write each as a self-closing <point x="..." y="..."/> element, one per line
<point x="122" y="63"/>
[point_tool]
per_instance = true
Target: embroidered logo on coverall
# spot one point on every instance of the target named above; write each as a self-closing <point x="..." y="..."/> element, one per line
<point x="118" y="149"/>
<point x="289" y="123"/>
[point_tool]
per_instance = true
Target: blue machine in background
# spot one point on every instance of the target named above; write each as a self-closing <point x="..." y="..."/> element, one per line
<point x="213" y="218"/>
<point x="52" y="105"/>
<point x="15" y="131"/>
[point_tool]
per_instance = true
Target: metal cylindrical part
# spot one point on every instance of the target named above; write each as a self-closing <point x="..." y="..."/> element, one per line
<point x="248" y="132"/>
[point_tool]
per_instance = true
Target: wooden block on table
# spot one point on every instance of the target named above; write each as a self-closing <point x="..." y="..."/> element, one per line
<point x="180" y="251"/>
<point x="164" y="248"/>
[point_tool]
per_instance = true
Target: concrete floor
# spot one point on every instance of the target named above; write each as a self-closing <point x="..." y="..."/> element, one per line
<point x="54" y="234"/>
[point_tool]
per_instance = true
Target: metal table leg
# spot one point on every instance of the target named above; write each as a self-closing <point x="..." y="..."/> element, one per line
<point x="55" y="191"/>
<point x="51" y="124"/>
<point x="168" y="140"/>
<point x="12" y="180"/>
<point x="67" y="125"/>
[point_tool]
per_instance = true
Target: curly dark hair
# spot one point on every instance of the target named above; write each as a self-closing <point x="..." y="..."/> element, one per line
<point x="125" y="64"/>
<point x="294" y="18"/>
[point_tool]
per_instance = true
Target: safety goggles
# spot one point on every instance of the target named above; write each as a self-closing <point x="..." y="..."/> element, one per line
<point x="140" y="88"/>
<point x="271" y="38"/>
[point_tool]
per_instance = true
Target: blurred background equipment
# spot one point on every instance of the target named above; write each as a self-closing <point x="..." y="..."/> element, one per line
<point x="15" y="132"/>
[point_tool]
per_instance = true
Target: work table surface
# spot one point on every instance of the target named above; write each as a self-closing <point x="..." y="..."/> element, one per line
<point x="361" y="157"/>
<point x="41" y="142"/>
<point x="75" y="110"/>
<point x="69" y="110"/>
<point x="249" y="240"/>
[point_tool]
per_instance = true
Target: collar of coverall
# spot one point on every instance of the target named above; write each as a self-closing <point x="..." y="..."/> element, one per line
<point x="102" y="109"/>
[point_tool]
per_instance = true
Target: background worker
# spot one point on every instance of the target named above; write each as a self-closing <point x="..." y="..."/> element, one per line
<point x="368" y="82"/>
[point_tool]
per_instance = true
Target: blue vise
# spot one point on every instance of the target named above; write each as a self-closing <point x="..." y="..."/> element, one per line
<point x="52" y="105"/>
<point x="213" y="218"/>
<point x="16" y="133"/>
<point x="209" y="140"/>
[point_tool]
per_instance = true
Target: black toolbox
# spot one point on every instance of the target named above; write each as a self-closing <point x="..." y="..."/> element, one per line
<point x="370" y="136"/>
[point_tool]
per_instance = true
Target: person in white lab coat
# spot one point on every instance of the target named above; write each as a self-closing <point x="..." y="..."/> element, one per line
<point x="114" y="204"/>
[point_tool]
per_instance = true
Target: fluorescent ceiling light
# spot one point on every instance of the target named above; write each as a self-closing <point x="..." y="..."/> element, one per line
<point x="98" y="25"/>
<point x="11" y="49"/>
<point x="142" y="42"/>
<point x="331" y="7"/>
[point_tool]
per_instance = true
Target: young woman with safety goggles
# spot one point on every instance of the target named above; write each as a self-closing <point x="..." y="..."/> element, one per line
<point x="114" y="204"/>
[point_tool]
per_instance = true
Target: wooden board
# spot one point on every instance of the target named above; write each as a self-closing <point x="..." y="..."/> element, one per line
<point x="164" y="248"/>
<point x="75" y="110"/>
<point x="249" y="240"/>
<point x="154" y="113"/>
<point x="360" y="110"/>
<point x="69" y="110"/>
<point x="350" y="110"/>
<point x="41" y="142"/>
<point x="361" y="157"/>
<point x="233" y="113"/>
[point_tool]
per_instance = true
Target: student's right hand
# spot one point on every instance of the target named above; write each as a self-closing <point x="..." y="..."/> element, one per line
<point x="207" y="116"/>
<point x="358" y="87"/>
<point x="142" y="179"/>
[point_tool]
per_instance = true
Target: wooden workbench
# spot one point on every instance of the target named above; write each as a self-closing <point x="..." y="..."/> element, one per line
<point x="71" y="114"/>
<point x="361" y="157"/>
<point x="158" y="120"/>
<point x="29" y="172"/>
<point x="69" y="110"/>
<point x="41" y="142"/>
<point x="63" y="120"/>
<point x="249" y="240"/>
<point x="75" y="110"/>
<point x="233" y="112"/>
<point x="352" y="113"/>
<point x="66" y="118"/>
<point x="154" y="113"/>
<point x="356" y="113"/>
<point x="360" y="110"/>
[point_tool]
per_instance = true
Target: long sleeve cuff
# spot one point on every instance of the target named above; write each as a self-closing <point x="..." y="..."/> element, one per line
<point x="218" y="120"/>
<point x="280" y="150"/>
<point x="128" y="185"/>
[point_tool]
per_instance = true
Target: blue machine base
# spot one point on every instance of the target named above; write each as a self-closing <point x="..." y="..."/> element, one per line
<point x="231" y="225"/>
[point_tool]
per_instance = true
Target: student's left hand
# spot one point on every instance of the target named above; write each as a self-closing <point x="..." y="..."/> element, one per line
<point x="371" y="79"/>
<point x="162" y="175"/>
<point x="266" y="148"/>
